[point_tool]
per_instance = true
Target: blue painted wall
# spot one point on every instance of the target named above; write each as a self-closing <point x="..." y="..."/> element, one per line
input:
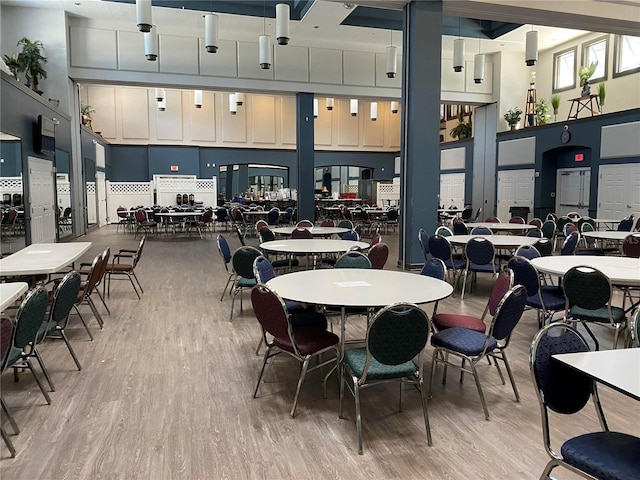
<point x="11" y="154"/>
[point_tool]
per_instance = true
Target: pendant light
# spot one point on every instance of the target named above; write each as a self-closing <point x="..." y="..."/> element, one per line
<point x="162" y="105"/>
<point x="211" y="33"/>
<point x="354" y="107"/>
<point x="151" y="44"/>
<point x="159" y="94"/>
<point x="395" y="106"/>
<point x="315" y="108"/>
<point x="264" y="43"/>
<point x="143" y="15"/>
<point x="392" y="59"/>
<point x="233" y="103"/>
<point x="458" y="52"/>
<point x="478" y="66"/>
<point x="374" y="111"/>
<point x="239" y="97"/>
<point x="531" y="48"/>
<point x="329" y="102"/>
<point x="282" y="23"/>
<point x="197" y="98"/>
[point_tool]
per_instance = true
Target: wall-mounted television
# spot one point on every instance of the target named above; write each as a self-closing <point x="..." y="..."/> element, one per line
<point x="45" y="136"/>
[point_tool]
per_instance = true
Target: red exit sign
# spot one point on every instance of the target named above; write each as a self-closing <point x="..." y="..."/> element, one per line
<point x="579" y="157"/>
<point x="174" y="168"/>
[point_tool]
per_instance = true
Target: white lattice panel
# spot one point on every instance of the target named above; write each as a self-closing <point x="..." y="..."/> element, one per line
<point x="91" y="202"/>
<point x="11" y="185"/>
<point x="388" y="191"/>
<point x="168" y="186"/>
<point x="64" y="194"/>
<point x="349" y="188"/>
<point x="127" y="194"/>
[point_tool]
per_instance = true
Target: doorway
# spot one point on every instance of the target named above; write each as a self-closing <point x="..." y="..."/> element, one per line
<point x="515" y="189"/>
<point x="572" y="191"/>
<point x="42" y="205"/>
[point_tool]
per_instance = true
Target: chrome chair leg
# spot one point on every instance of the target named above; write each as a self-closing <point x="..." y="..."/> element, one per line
<point x="303" y="373"/>
<point x="477" y="379"/>
<point x="44" y="369"/>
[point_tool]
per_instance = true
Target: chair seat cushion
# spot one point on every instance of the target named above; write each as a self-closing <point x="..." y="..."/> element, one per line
<point x="355" y="359"/>
<point x="119" y="267"/>
<point x="488" y="268"/>
<point x="552" y="297"/>
<point x="246" y="282"/>
<point x="285" y="263"/>
<point x="450" y="320"/>
<point x="604" y="455"/>
<point x="14" y="356"/>
<point x="310" y="318"/>
<point x="455" y="264"/>
<point x="462" y="340"/>
<point x="599" y="315"/>
<point x="309" y="340"/>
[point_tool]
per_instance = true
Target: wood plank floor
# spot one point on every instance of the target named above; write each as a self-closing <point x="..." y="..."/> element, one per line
<point x="166" y="393"/>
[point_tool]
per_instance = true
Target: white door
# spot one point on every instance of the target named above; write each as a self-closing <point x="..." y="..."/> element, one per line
<point x="515" y="189"/>
<point x="452" y="190"/>
<point x="572" y="191"/>
<point x="619" y="191"/>
<point x="101" y="198"/>
<point x="41" y="201"/>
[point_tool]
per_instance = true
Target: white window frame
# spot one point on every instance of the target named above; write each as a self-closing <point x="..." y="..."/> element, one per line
<point x="602" y="66"/>
<point x="618" y="52"/>
<point x="556" y="58"/>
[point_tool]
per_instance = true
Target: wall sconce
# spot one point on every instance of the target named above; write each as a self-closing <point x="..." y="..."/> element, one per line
<point x="211" y="33"/>
<point x="239" y="97"/>
<point x="233" y="103"/>
<point x="197" y="98"/>
<point x="395" y="106"/>
<point x="329" y="102"/>
<point x="315" y="108"/>
<point x="374" y="111"/>
<point x="143" y="15"/>
<point x="282" y="23"/>
<point x="531" y="48"/>
<point x="151" y="44"/>
<point x="159" y="94"/>
<point x="354" y="107"/>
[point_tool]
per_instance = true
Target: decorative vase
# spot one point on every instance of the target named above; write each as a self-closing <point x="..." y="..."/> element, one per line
<point x="513" y="127"/>
<point x="586" y="90"/>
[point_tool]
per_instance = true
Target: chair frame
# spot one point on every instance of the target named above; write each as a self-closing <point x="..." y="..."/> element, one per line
<point x="237" y="275"/>
<point x="135" y="256"/>
<point x="469" y="265"/>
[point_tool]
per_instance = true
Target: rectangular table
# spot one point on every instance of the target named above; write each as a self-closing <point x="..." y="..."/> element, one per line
<point x="9" y="292"/>
<point x="40" y="258"/>
<point x="618" y="369"/>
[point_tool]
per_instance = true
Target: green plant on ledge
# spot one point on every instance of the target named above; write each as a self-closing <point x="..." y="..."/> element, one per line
<point x="31" y="60"/>
<point x="555" y="104"/>
<point x="584" y="74"/>
<point x="542" y="112"/>
<point x="463" y="129"/>
<point x="513" y="116"/>
<point x="85" y="113"/>
<point x="13" y="63"/>
<point x="602" y="92"/>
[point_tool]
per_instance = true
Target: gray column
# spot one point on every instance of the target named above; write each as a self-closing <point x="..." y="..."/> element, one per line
<point x="305" y="155"/>
<point x="420" y="150"/>
<point x="243" y="179"/>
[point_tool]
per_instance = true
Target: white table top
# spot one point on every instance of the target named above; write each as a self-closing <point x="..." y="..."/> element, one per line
<point x="356" y="287"/>
<point x="179" y="214"/>
<point x="312" y="245"/>
<point x="605" y="235"/>
<point x="499" y="241"/>
<point x="9" y="292"/>
<point x="43" y="258"/>
<point x="316" y="231"/>
<point x="619" y="369"/>
<point x="606" y="220"/>
<point x="501" y="226"/>
<point x="620" y="270"/>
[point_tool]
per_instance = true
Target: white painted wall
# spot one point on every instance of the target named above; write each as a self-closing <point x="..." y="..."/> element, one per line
<point x="512" y="83"/>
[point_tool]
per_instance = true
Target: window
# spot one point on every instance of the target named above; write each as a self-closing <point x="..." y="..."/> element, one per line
<point x="627" y="55"/>
<point x="564" y="70"/>
<point x="596" y="51"/>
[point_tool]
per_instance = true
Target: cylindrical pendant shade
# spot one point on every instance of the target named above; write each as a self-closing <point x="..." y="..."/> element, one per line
<point x="265" y="51"/>
<point x="211" y="33"/>
<point x="143" y="15"/>
<point x="478" y="68"/>
<point x="282" y="23"/>
<point x="458" y="54"/>
<point x="392" y="61"/>
<point x="395" y="106"/>
<point x="151" y="45"/>
<point x="374" y="111"/>
<point x="233" y="105"/>
<point x="162" y="105"/>
<point x="239" y="96"/>
<point x="354" y="107"/>
<point x="315" y="108"/>
<point x="197" y="98"/>
<point x="531" y="48"/>
<point x="159" y="94"/>
<point x="329" y="102"/>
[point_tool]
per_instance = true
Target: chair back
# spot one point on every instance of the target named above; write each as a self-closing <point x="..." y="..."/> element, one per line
<point x="270" y="311"/>
<point x="561" y="222"/>
<point x="631" y="245"/>
<point x="273" y="216"/>
<point x="95" y="274"/>
<point x="266" y="235"/>
<point x="501" y="286"/>
<point x="301" y="232"/>
<point x="263" y="270"/>
<point x="587" y="227"/>
<point x="378" y="255"/>
<point x="304" y="224"/>
<point x="64" y="297"/>
<point x="587" y="287"/>
<point x="344" y="223"/>
<point x="443" y="232"/>
<point x="459" y="228"/>
<point x="544" y="246"/>
<point x="467" y="213"/>
<point x="508" y="313"/>
<point x="478" y="213"/>
<point x="376" y="239"/>
<point x="346" y="213"/>
<point x="396" y="335"/>
<point x="570" y="244"/>
<point x="535" y="232"/>
<point x="351" y="235"/>
<point x="207" y="216"/>
<point x="239" y="234"/>
<point x="392" y="215"/>
<point x="569" y="228"/>
<point x="30" y="317"/>
<point x="6" y="338"/>
<point x="353" y="259"/>
<point x="242" y="261"/>
<point x="221" y="214"/>
<point x="493" y="220"/>
<point x="434" y="268"/>
<point x="423" y="238"/>
<point x="122" y="212"/>
<point x="225" y="251"/>
<point x="327" y="223"/>
<point x="528" y="251"/>
<point x="481" y="231"/>
<point x="559" y="387"/>
<point x="141" y="215"/>
<point x="536" y="222"/>
<point x="261" y="224"/>
<point x="626" y="224"/>
<point x="525" y="274"/>
<point x="548" y="229"/>
<point x="479" y="251"/>
<point x="518" y="220"/>
<point x="440" y="247"/>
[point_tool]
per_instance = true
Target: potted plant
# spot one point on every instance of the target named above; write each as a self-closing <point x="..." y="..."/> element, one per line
<point x="513" y="116"/>
<point x="584" y="74"/>
<point x="602" y="92"/>
<point x="463" y="129"/>
<point x="85" y="113"/>
<point x="31" y="60"/>
<point x="542" y="112"/>
<point x="13" y="63"/>
<point x="555" y="104"/>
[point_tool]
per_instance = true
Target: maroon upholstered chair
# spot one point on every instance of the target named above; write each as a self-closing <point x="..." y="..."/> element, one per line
<point x="378" y="255"/>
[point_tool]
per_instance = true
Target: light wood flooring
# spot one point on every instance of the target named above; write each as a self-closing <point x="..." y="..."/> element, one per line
<point x="166" y="393"/>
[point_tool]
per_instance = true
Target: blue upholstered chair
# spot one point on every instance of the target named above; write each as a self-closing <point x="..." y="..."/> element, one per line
<point x="434" y="268"/>
<point x="225" y="254"/>
<point x="459" y="228"/>
<point x="527" y="251"/>
<point x="440" y="248"/>
<point x="570" y="243"/>
<point x="481" y="231"/>
<point x="242" y="261"/>
<point x="565" y="391"/>
<point x="396" y="335"/>
<point x="481" y="258"/>
<point x="472" y="346"/>
<point x="423" y="238"/>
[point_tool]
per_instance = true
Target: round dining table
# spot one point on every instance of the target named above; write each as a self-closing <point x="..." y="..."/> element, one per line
<point x="622" y="271"/>
<point x="312" y="246"/>
<point x="607" y="235"/>
<point x="501" y="226"/>
<point x="499" y="241"/>
<point x="315" y="231"/>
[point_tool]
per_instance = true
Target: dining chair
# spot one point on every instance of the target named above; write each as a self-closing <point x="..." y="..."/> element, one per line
<point x="327" y="222"/>
<point x="98" y="266"/>
<point x="423" y="239"/>
<point x="535" y="232"/>
<point x="631" y="245"/>
<point x="375" y="239"/>
<point x="396" y="335"/>
<point x="549" y="231"/>
<point x="626" y="224"/>
<point x="588" y="294"/>
<point x="273" y="216"/>
<point x="527" y="251"/>
<point x="590" y="246"/>
<point x="124" y="266"/>
<point x="570" y="244"/>
<point x="225" y="254"/>
<point x="304" y="224"/>
<point x="6" y="340"/>
<point x="434" y="268"/>
<point x="493" y="220"/>
<point x="481" y="258"/>
<point x="467" y="213"/>
<point x="634" y="338"/>
<point x="440" y="248"/>
<point x="481" y="231"/>
<point x="378" y="255"/>
<point x="478" y="213"/>
<point x="544" y="246"/>
<point x="391" y="220"/>
<point x="222" y="218"/>
<point x="536" y="222"/>
<point x="85" y="269"/>
<point x="242" y="261"/>
<point x="353" y="259"/>
<point x="351" y="235"/>
<point x="443" y="231"/>
<point x="303" y="342"/>
<point x="459" y="227"/>
<point x="301" y="233"/>
<point x="472" y="346"/>
<point x="143" y="223"/>
<point x="565" y="391"/>
<point x="205" y="223"/>
<point x="518" y="220"/>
